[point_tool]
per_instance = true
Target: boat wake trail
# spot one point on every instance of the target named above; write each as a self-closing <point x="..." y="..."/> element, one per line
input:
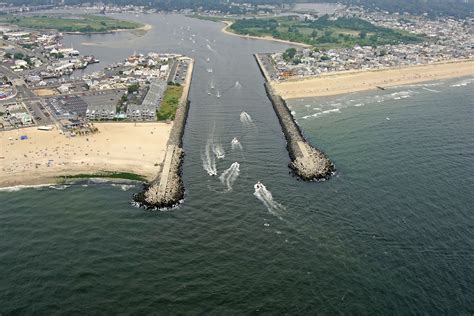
<point x="208" y="159"/>
<point x="236" y="144"/>
<point x="265" y="196"/>
<point x="218" y="150"/>
<point x="229" y="176"/>
<point x="210" y="48"/>
<point x="245" y="119"/>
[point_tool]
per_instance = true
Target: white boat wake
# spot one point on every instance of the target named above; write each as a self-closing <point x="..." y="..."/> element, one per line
<point x="266" y="198"/>
<point x="210" y="48"/>
<point x="245" y="119"/>
<point x="229" y="176"/>
<point x="235" y="144"/>
<point x="218" y="150"/>
<point x="208" y="159"/>
<point x="237" y="85"/>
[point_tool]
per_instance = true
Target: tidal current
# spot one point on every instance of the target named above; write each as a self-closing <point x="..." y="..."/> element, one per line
<point x="392" y="231"/>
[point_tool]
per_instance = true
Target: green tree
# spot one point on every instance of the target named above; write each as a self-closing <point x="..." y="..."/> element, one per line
<point x="289" y="54"/>
<point x="133" y="88"/>
<point x="18" y="56"/>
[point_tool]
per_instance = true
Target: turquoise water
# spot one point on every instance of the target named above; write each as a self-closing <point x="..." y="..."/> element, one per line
<point x="392" y="232"/>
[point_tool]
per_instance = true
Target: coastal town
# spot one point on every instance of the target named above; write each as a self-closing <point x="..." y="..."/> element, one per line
<point x="445" y="39"/>
<point x="57" y="121"/>
<point x="40" y="87"/>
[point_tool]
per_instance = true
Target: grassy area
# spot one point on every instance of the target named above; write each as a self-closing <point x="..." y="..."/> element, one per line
<point x="82" y="23"/>
<point x="324" y="32"/>
<point x="170" y="103"/>
<point x="109" y="175"/>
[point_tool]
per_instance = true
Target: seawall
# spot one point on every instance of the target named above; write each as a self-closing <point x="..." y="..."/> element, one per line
<point x="167" y="190"/>
<point x="307" y="162"/>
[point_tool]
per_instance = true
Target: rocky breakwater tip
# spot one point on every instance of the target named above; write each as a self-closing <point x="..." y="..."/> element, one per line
<point x="167" y="191"/>
<point x="307" y="162"/>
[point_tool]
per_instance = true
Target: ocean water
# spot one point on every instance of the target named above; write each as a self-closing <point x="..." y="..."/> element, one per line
<point x="391" y="232"/>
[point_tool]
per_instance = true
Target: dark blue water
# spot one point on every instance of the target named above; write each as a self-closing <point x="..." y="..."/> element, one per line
<point x="392" y="232"/>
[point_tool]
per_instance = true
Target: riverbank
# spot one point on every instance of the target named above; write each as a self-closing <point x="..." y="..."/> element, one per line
<point x="167" y="189"/>
<point x="82" y="24"/>
<point x="46" y="156"/>
<point x="226" y="30"/>
<point x="144" y="28"/>
<point x="355" y="81"/>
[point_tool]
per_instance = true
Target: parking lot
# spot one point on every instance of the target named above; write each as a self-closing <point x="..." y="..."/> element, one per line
<point x="103" y="97"/>
<point x="38" y="112"/>
<point x="181" y="70"/>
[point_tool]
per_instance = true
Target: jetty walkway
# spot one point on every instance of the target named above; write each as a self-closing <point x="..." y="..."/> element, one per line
<point x="307" y="162"/>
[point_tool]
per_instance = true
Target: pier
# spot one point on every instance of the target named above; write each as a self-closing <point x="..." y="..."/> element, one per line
<point x="307" y="162"/>
<point x="167" y="190"/>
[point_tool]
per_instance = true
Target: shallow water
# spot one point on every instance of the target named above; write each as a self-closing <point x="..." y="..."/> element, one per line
<point x="392" y="231"/>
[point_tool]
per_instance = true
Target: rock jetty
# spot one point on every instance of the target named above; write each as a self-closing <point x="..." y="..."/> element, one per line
<point x="167" y="190"/>
<point x="307" y="162"/>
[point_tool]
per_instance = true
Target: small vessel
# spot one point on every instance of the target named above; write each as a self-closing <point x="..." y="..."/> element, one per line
<point x="235" y="141"/>
<point x="209" y="70"/>
<point x="258" y="186"/>
<point x="208" y="59"/>
<point x="208" y="93"/>
<point x="218" y="94"/>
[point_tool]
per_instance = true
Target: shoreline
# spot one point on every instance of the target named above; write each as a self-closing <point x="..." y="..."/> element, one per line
<point x="363" y="80"/>
<point x="226" y="30"/>
<point x="44" y="182"/>
<point x="46" y="157"/>
<point x="144" y="28"/>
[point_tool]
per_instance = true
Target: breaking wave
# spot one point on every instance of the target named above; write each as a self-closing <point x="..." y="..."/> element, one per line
<point x="463" y="83"/>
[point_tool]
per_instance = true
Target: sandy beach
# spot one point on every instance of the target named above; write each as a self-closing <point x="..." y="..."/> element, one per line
<point x="145" y="28"/>
<point x="46" y="155"/>
<point x="226" y="30"/>
<point x="353" y="81"/>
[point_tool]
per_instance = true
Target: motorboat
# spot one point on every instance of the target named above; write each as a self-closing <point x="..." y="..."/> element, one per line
<point x="259" y="186"/>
